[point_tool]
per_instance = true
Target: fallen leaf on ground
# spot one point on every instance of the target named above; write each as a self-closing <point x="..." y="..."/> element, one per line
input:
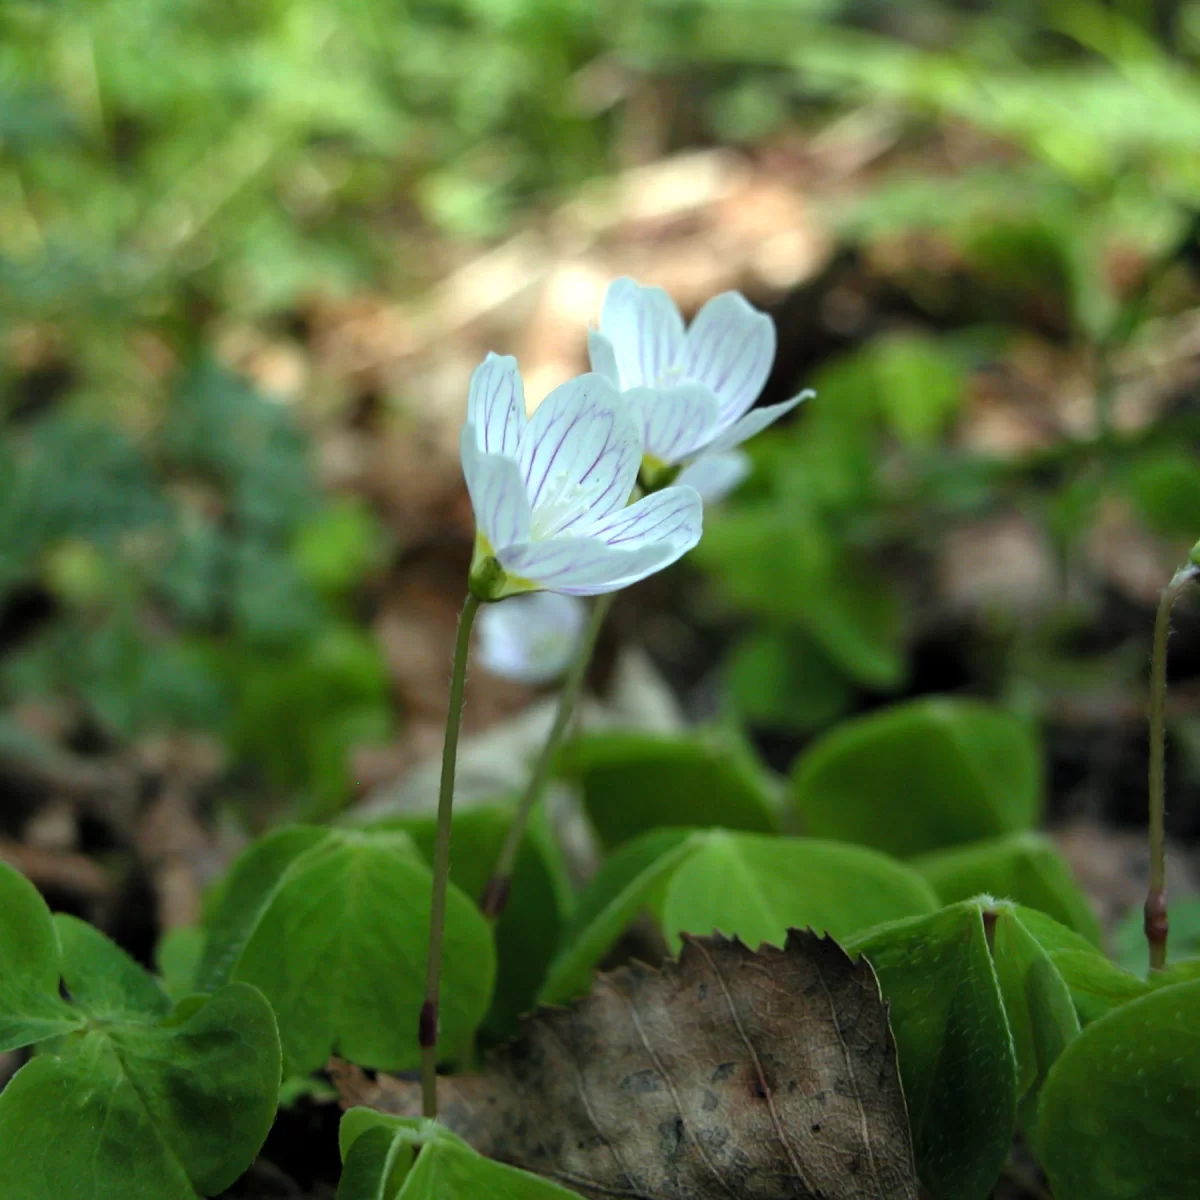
<point x="729" y="1073"/>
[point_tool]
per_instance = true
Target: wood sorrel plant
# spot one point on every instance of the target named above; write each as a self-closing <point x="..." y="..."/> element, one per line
<point x="551" y="498"/>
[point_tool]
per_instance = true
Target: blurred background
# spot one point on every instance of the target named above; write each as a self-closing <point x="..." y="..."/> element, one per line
<point x="251" y="253"/>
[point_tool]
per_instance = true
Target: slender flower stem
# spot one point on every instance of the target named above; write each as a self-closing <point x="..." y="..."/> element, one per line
<point x="495" y="894"/>
<point x="1155" y="911"/>
<point x="427" y="1029"/>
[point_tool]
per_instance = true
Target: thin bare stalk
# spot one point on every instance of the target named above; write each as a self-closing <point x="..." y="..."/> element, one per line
<point x="1155" y="911"/>
<point x="427" y="1029"/>
<point x="495" y="893"/>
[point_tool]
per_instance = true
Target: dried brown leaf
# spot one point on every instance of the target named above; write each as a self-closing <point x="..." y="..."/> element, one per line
<point x="730" y="1073"/>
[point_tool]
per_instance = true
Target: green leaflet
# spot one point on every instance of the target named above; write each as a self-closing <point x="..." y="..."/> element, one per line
<point x="133" y="1097"/>
<point x="957" y="1058"/>
<point x="921" y="776"/>
<point x="758" y="887"/>
<point x="780" y="679"/>
<point x="1024" y="867"/>
<point x="1037" y="1002"/>
<point x="1118" y="1116"/>
<point x="1097" y="985"/>
<point x="634" y="782"/>
<point x="31" y="1009"/>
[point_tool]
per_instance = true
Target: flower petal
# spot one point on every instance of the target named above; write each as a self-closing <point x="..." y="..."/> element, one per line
<point x="755" y="421"/>
<point x="674" y="422"/>
<point x="603" y="357"/>
<point x="530" y="638"/>
<point x="584" y="566"/>
<point x="502" y="511"/>
<point x="730" y="349"/>
<point x="714" y="476"/>
<point x="645" y="330"/>
<point x="579" y="455"/>
<point x="496" y="405"/>
<point x="673" y="516"/>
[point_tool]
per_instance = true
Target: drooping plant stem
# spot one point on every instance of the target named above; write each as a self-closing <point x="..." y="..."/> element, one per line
<point x="1155" y="911"/>
<point x="495" y="894"/>
<point x="427" y="1030"/>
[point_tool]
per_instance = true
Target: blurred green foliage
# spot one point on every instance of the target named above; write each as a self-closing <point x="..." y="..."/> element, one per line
<point x="170" y="169"/>
<point x="197" y="579"/>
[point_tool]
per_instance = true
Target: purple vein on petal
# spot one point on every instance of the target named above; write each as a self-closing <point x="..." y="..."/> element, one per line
<point x="708" y="354"/>
<point x="494" y="507"/>
<point x="605" y="420"/>
<point x="648" y="533"/>
<point x="643" y="524"/>
<point x="597" y="503"/>
<point x="687" y="414"/>
<point x="489" y="400"/>
<point x="739" y="360"/>
<point x="500" y="383"/>
<point x="605" y="450"/>
<point x="575" y="418"/>
<point x="550" y="565"/>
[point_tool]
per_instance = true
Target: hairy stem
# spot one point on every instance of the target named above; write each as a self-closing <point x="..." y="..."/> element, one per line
<point x="495" y="894"/>
<point x="1155" y="912"/>
<point x="427" y="1030"/>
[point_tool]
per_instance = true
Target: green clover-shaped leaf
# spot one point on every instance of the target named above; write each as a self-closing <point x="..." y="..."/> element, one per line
<point x="128" y="1097"/>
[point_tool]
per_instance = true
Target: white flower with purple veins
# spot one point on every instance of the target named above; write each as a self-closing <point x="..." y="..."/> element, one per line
<point x="551" y="492"/>
<point x="691" y="390"/>
<point x="531" y="638"/>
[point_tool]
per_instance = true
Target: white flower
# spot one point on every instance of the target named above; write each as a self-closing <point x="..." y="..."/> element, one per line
<point x="531" y="638"/>
<point x="691" y="391"/>
<point x="550" y="491"/>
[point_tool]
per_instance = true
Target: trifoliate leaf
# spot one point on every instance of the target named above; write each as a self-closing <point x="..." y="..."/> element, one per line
<point x="129" y="1098"/>
<point x="154" y="1108"/>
